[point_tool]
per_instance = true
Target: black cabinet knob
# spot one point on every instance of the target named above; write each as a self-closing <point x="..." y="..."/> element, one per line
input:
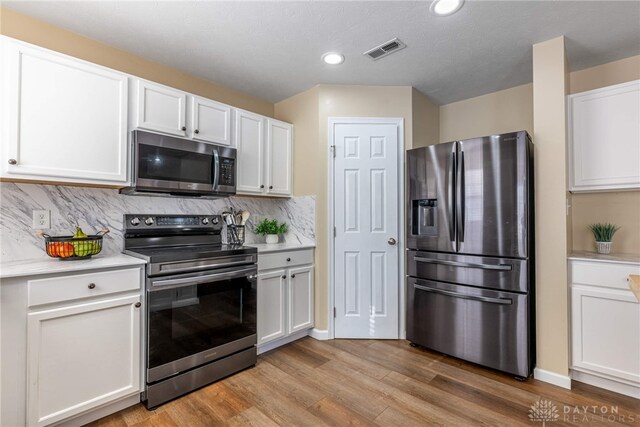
<point x="138" y="305"/>
<point x="262" y="186"/>
<point x="196" y="131"/>
<point x="184" y="128"/>
<point x="284" y="277"/>
<point x="92" y="285"/>
<point x="13" y="162"/>
<point x="271" y="187"/>
<point x="293" y="276"/>
<point x="288" y="259"/>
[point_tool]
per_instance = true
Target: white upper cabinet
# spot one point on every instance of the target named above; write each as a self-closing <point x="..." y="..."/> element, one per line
<point x="210" y="121"/>
<point x="264" y="164"/>
<point x="604" y="138"/>
<point x="63" y="119"/>
<point x="279" y="156"/>
<point x="160" y="108"/>
<point x="250" y="145"/>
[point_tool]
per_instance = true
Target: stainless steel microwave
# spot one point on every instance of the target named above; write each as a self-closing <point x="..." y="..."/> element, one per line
<point x="167" y="165"/>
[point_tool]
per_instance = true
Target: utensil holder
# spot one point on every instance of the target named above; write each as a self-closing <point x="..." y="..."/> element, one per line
<point x="235" y="235"/>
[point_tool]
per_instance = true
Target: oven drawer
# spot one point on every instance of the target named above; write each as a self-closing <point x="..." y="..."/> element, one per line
<point x="72" y="287"/>
<point x="285" y="259"/>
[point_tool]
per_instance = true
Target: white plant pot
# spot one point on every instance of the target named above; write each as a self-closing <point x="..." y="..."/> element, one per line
<point x="603" y="247"/>
<point x="272" y="239"/>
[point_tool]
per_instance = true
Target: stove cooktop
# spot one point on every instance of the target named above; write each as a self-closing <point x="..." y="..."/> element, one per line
<point x="189" y="252"/>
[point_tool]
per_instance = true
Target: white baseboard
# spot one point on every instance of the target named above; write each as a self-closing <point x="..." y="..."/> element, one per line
<point x="606" y="383"/>
<point x="263" y="348"/>
<point x="101" y="411"/>
<point x="563" y="381"/>
<point x="319" y="334"/>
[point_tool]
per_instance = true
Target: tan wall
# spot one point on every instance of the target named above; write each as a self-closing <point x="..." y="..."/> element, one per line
<point x="30" y="30"/>
<point x="498" y="112"/>
<point x="426" y="120"/>
<point x="621" y="208"/>
<point x="311" y="154"/>
<point x="549" y="130"/>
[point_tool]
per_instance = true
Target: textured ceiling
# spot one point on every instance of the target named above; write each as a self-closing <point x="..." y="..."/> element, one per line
<point x="272" y="49"/>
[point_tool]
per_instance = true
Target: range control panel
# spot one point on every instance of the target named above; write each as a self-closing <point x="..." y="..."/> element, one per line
<point x="136" y="221"/>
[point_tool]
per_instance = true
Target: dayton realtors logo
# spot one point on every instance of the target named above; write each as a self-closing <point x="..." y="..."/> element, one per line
<point x="543" y="411"/>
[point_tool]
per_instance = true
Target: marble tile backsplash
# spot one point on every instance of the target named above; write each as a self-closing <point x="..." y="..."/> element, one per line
<point x="96" y="208"/>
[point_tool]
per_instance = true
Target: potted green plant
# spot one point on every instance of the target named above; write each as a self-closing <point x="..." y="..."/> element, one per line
<point x="603" y="233"/>
<point x="271" y="229"/>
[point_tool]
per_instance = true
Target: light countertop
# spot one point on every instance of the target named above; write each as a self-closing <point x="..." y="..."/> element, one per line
<point x="263" y="248"/>
<point x="43" y="265"/>
<point x="613" y="257"/>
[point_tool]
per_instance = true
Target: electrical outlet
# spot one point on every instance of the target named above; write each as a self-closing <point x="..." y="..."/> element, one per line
<point x="42" y="219"/>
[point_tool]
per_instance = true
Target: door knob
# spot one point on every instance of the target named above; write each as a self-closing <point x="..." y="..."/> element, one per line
<point x="92" y="285"/>
<point x="196" y="131"/>
<point x="391" y="241"/>
<point x="293" y="276"/>
<point x="13" y="162"/>
<point x="138" y="305"/>
<point x="183" y="128"/>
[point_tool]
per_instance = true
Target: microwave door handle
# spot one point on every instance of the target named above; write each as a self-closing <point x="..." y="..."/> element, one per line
<point x="216" y="169"/>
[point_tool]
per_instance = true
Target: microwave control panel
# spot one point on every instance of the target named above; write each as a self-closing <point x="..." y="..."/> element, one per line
<point x="227" y="172"/>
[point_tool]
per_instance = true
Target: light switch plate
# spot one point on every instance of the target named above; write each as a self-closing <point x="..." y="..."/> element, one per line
<point x="41" y="219"/>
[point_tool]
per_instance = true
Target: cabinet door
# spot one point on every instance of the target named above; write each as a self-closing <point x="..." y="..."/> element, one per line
<point x="63" y="119"/>
<point x="161" y="108"/>
<point x="604" y="138"/>
<point x="606" y="332"/>
<point x="271" y="305"/>
<point x="210" y="121"/>
<point x="82" y="356"/>
<point x="279" y="155"/>
<point x="300" y="304"/>
<point x="249" y="143"/>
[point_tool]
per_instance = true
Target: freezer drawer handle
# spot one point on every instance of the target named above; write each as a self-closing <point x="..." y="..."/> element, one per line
<point x="501" y="267"/>
<point x="502" y="301"/>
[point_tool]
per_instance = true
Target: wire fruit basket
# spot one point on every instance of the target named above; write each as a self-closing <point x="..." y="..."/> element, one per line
<point x="70" y="248"/>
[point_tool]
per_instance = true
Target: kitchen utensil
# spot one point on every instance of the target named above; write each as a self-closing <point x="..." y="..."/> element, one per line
<point x="70" y="248"/>
<point x="245" y="216"/>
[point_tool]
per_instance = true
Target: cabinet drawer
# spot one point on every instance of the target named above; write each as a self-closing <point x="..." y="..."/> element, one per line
<point x="285" y="259"/>
<point x="67" y="288"/>
<point x="608" y="275"/>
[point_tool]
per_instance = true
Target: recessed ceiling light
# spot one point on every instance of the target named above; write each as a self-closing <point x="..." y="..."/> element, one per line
<point x="445" y="7"/>
<point x="333" y="58"/>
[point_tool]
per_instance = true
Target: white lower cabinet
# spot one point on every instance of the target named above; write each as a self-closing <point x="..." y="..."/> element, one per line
<point x="285" y="298"/>
<point x="79" y="356"/>
<point x="605" y="325"/>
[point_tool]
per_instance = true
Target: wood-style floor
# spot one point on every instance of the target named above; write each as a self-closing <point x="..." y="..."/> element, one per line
<point x="386" y="383"/>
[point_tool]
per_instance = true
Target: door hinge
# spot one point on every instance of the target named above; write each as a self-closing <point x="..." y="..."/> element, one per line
<point x="333" y="151"/>
<point x="334" y="312"/>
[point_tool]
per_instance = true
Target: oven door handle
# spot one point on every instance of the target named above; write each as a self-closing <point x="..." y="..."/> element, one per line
<point x="249" y="273"/>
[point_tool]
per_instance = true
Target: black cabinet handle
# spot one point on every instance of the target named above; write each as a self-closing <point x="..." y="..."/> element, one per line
<point x="293" y="276"/>
<point x="262" y="186"/>
<point x="138" y="305"/>
<point x="92" y="285"/>
<point x="196" y="131"/>
<point x="284" y="276"/>
<point x="271" y="187"/>
<point x="184" y="128"/>
<point x="288" y="259"/>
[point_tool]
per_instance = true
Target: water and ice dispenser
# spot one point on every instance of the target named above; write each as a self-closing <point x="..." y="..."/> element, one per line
<point x="425" y="217"/>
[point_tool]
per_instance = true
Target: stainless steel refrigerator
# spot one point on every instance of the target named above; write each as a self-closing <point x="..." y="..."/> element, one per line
<point x="470" y="250"/>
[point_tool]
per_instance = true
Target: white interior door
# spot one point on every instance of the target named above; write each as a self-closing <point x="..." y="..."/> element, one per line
<point x="366" y="206"/>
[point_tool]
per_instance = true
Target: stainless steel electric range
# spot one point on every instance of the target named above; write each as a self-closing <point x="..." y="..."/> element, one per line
<point x="200" y="302"/>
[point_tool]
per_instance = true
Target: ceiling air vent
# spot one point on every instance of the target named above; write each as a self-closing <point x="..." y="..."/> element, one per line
<point x="385" y="49"/>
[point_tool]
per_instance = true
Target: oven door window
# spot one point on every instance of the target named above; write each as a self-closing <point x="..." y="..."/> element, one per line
<point x="167" y="164"/>
<point x="188" y="320"/>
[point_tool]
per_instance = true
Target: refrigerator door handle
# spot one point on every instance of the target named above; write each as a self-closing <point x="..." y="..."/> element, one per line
<point x="502" y="267"/>
<point x="460" y="209"/>
<point x="450" y="187"/>
<point x="502" y="301"/>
